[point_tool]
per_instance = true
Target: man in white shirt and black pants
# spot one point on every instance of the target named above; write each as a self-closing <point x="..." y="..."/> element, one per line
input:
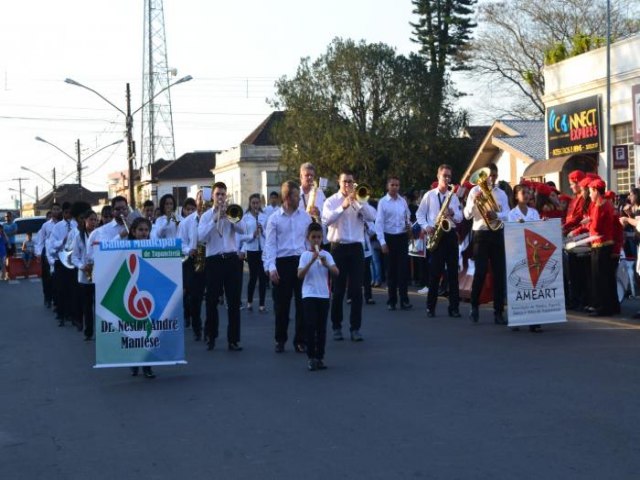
<point x="392" y="221"/>
<point x="488" y="245"/>
<point x="223" y="268"/>
<point x="345" y="218"/>
<point x="285" y="242"/>
<point x="446" y="251"/>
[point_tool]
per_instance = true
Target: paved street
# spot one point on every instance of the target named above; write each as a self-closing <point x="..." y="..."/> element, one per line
<point x="432" y="399"/>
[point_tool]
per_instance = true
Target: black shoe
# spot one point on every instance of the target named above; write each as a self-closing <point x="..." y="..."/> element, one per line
<point x="300" y="348"/>
<point x="430" y="313"/>
<point x="535" y="329"/>
<point x="211" y="344"/>
<point x="474" y="315"/>
<point x="197" y="337"/>
<point x="87" y="338"/>
<point x="148" y="373"/>
<point x="356" y="336"/>
<point x="312" y="365"/>
<point x="498" y="319"/>
<point x="370" y="301"/>
<point x="348" y="301"/>
<point x="337" y="335"/>
<point x="234" y="347"/>
<point x="279" y="347"/>
<point x="320" y="364"/>
<point x="391" y="307"/>
<point x="406" y="306"/>
<point x="134" y="371"/>
<point x="454" y="312"/>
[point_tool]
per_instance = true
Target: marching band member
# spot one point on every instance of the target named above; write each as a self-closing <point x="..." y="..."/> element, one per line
<point x="307" y="179"/>
<point x="223" y="272"/>
<point x="488" y="245"/>
<point x="522" y="212"/>
<point x="345" y="218"/>
<point x="188" y="234"/>
<point x="285" y="242"/>
<point x="252" y="246"/>
<point x="148" y="210"/>
<point x="42" y="238"/>
<point x="392" y="219"/>
<point x="82" y="258"/>
<point x="119" y="226"/>
<point x="166" y="226"/>
<point x="445" y="253"/>
<point x="274" y="203"/>
<point x="62" y="237"/>
<point x="603" y="274"/>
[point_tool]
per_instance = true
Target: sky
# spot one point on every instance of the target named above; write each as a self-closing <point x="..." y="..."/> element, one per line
<point x="235" y="51"/>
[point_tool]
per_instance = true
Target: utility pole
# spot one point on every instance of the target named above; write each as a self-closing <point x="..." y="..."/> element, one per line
<point x="19" y="180"/>
<point x="79" y="166"/>
<point x="55" y="189"/>
<point x="130" y="149"/>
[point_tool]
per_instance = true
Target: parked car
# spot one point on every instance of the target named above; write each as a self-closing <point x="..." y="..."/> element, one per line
<point x="26" y="225"/>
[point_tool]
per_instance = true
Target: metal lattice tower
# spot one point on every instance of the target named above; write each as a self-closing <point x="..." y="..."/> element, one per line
<point x="157" y="119"/>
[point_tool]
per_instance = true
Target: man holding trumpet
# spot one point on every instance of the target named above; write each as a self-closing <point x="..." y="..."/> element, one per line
<point x="223" y="267"/>
<point x="345" y="217"/>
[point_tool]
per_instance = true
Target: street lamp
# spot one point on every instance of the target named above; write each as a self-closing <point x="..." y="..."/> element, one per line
<point x="129" y="122"/>
<point x="78" y="160"/>
<point x="53" y="185"/>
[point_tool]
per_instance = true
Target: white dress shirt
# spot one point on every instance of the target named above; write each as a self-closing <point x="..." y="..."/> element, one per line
<point x="165" y="228"/>
<point x="109" y="231"/>
<point x="431" y="204"/>
<point x="471" y="211"/>
<point x="269" y="210"/>
<point x="61" y="235"/>
<point x="346" y="226"/>
<point x="286" y="236"/>
<point x="188" y="233"/>
<point x="249" y="243"/>
<point x="82" y="255"/>
<point x="392" y="216"/>
<point x="316" y="281"/>
<point x="43" y="235"/>
<point x="219" y="238"/>
<point x="515" y="215"/>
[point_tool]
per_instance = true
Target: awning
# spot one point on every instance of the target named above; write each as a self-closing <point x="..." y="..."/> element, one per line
<point x="542" y="167"/>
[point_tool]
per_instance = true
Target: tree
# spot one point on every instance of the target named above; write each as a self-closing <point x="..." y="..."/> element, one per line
<point x="443" y="32"/>
<point x="518" y="35"/>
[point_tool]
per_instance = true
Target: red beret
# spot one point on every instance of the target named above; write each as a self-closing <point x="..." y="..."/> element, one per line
<point x="576" y="176"/>
<point x="526" y="183"/>
<point x="610" y="195"/>
<point x="564" y="198"/>
<point x="543" y="189"/>
<point x="434" y="184"/>
<point x="598" y="184"/>
<point x="592" y="175"/>
<point x="584" y="183"/>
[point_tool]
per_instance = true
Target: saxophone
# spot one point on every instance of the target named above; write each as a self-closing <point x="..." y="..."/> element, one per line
<point x="312" y="200"/>
<point x="199" y="261"/>
<point x="442" y="223"/>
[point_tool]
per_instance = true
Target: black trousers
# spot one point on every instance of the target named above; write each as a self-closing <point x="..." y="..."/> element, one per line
<point x="256" y="275"/>
<point x="446" y="254"/>
<point x="194" y="284"/>
<point x="367" y="278"/>
<point x="65" y="290"/>
<point x="603" y="280"/>
<point x="349" y="258"/>
<point x="47" y="286"/>
<point x="398" y="267"/>
<point x="223" y="274"/>
<point x="289" y="286"/>
<point x="316" y="311"/>
<point x="579" y="279"/>
<point x="489" y="246"/>
<point x="86" y="297"/>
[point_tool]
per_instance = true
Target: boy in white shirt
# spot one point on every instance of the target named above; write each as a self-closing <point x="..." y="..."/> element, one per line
<point x="313" y="269"/>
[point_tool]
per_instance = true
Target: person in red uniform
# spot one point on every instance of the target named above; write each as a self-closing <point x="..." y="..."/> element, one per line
<point x="577" y="265"/>
<point x="603" y="276"/>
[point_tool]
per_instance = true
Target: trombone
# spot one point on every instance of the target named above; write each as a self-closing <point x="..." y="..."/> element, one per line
<point x="232" y="211"/>
<point x="361" y="193"/>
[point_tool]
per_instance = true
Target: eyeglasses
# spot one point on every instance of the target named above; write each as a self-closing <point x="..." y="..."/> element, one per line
<point x="348" y="181"/>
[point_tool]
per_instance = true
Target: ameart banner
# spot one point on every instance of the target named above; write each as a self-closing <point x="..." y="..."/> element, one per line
<point x="535" y="289"/>
<point x="139" y="316"/>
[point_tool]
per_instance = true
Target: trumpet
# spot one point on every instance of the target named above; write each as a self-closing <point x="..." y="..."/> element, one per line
<point x="232" y="211"/>
<point x="361" y="193"/>
<point x="172" y="218"/>
<point x="124" y="222"/>
<point x="485" y="202"/>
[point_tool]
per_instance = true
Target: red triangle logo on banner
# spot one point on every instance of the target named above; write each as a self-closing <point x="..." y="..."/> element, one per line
<point x="539" y="250"/>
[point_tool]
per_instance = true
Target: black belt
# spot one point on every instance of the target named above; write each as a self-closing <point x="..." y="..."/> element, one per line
<point x="225" y="256"/>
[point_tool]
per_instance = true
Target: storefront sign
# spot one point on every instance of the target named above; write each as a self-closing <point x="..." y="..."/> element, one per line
<point x="620" y="156"/>
<point x="574" y="127"/>
<point x="635" y="96"/>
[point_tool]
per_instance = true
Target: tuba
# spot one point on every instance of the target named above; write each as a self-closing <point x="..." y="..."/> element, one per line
<point x="442" y="223"/>
<point x="486" y="202"/>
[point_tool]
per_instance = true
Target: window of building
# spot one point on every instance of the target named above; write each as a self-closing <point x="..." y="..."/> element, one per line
<point x="180" y="194"/>
<point x="623" y="134"/>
